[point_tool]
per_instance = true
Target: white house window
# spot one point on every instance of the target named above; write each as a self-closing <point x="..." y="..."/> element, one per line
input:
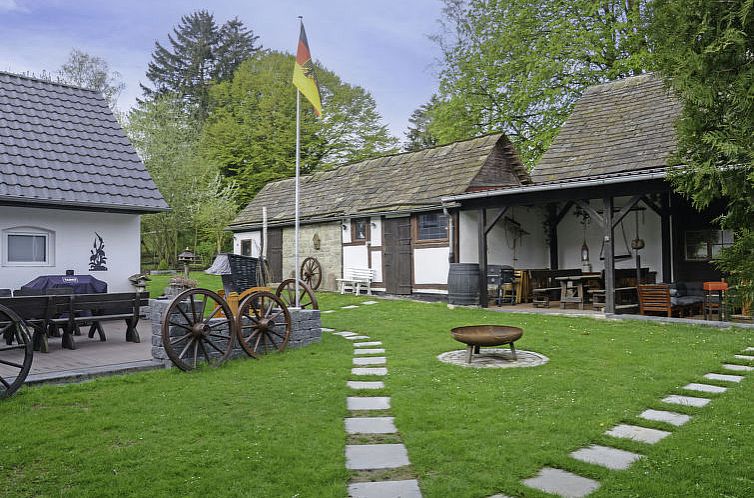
<point x="703" y="245"/>
<point x="246" y="247"/>
<point x="25" y="246"/>
<point x="432" y="227"/>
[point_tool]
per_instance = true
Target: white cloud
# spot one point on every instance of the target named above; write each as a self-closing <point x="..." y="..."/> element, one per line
<point x="11" y="5"/>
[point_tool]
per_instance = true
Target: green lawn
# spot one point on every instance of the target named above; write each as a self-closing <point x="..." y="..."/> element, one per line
<point x="273" y="428"/>
<point x="158" y="283"/>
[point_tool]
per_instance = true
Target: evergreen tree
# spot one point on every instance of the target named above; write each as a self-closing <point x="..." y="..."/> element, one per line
<point x="198" y="53"/>
<point x="419" y="135"/>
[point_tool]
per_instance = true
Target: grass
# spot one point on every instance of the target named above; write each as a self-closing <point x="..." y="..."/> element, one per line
<point x="158" y="283"/>
<point x="274" y="427"/>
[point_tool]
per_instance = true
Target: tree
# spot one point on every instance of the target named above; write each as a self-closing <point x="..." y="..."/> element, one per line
<point x="518" y="66"/>
<point x="199" y="53"/>
<point x="88" y="71"/>
<point x="705" y="50"/>
<point x="419" y="135"/>
<point x="251" y="131"/>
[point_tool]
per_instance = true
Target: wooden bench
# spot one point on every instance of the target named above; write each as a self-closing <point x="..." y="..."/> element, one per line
<point x="355" y="279"/>
<point x="598" y="299"/>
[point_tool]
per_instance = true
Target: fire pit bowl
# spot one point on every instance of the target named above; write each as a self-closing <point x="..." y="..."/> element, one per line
<point x="476" y="336"/>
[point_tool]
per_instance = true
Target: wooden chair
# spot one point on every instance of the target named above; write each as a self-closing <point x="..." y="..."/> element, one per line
<point x="655" y="298"/>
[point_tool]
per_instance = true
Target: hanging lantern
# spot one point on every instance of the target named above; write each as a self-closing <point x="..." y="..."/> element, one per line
<point x="584" y="252"/>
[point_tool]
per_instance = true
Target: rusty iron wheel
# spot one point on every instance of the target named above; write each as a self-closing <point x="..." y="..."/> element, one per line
<point x="311" y="273"/>
<point x="263" y="324"/>
<point x="287" y="292"/>
<point x="16" y="352"/>
<point x="198" y="328"/>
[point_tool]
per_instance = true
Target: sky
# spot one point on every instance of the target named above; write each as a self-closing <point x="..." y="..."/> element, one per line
<point x="381" y="45"/>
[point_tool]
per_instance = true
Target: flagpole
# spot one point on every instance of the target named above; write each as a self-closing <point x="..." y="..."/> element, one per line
<point x="298" y="161"/>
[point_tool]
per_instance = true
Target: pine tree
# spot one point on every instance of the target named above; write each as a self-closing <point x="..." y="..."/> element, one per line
<point x="419" y="136"/>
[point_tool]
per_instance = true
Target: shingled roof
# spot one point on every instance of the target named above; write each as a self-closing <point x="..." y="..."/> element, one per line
<point x="618" y="127"/>
<point x="61" y="145"/>
<point x="411" y="181"/>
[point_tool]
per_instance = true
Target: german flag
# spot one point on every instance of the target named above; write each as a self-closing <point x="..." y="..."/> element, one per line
<point x="303" y="73"/>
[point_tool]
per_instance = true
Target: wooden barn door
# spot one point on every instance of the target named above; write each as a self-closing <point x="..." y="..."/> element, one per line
<point x="396" y="257"/>
<point x="275" y="253"/>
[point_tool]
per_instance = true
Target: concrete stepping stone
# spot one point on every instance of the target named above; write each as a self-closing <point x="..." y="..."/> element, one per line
<point x="345" y="334"/>
<point x="636" y="433"/>
<point x="327" y="311"/>
<point x="499" y="496"/>
<point x="369" y="302"/>
<point x="349" y="307"/>
<point x="369" y="351"/>
<point x="357" y="337"/>
<point x="744" y="357"/>
<point x="368" y="402"/>
<point x="562" y="483"/>
<point x="749" y="349"/>
<point x="358" y="384"/>
<point x="385" y="489"/>
<point x="686" y="400"/>
<point x="673" y="418"/>
<point x="325" y="329"/>
<point x="704" y="388"/>
<point x="737" y="368"/>
<point x="370" y="425"/>
<point x="367" y="344"/>
<point x="604" y="456"/>
<point x="724" y="377"/>
<point x="376" y="456"/>
<point x="369" y="371"/>
<point x="370" y="360"/>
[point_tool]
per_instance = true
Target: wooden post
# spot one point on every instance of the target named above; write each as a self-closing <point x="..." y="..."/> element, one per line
<point x="667" y="262"/>
<point x="482" y="258"/>
<point x="552" y="234"/>
<point x="607" y="214"/>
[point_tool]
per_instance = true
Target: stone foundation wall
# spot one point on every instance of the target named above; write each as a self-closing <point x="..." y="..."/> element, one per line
<point x="329" y="253"/>
<point x="306" y="328"/>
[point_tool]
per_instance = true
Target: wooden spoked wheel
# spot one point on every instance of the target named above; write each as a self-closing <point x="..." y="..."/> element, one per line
<point x="311" y="273"/>
<point x="16" y="352"/>
<point x="198" y="328"/>
<point x="263" y="324"/>
<point x="287" y="292"/>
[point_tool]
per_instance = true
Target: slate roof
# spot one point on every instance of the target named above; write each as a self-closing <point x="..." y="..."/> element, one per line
<point x="411" y="181"/>
<point x="617" y="127"/>
<point x="61" y="145"/>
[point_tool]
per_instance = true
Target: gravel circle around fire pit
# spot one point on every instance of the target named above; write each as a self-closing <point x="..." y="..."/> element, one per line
<point x="494" y="358"/>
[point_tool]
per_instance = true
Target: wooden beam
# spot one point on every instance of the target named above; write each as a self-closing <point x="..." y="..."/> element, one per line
<point x="667" y="260"/>
<point x="651" y="205"/>
<point x="626" y="209"/>
<point x="592" y="212"/>
<point x="552" y="233"/>
<point x="559" y="216"/>
<point x="608" y="230"/>
<point x="482" y="247"/>
<point x="490" y="225"/>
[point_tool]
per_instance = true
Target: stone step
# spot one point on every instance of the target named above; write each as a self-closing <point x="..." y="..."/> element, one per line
<point x="562" y="483"/>
<point x="605" y="456"/>
<point x="376" y="456"/>
<point x="349" y="307"/>
<point x="385" y="489"/>
<point x="370" y="425"/>
<point x="327" y="311"/>
<point x="744" y="357"/>
<point x="368" y="402"/>
<point x="370" y="360"/>
<point x="369" y="302"/>
<point x="325" y="329"/>
<point x="358" y="384"/>
<point x="367" y="344"/>
<point x="345" y="334"/>
<point x="724" y="377"/>
<point x="686" y="400"/>
<point x="357" y="337"/>
<point x="368" y="351"/>
<point x="737" y="368"/>
<point x="704" y="388"/>
<point x="636" y="433"/>
<point x="677" y="419"/>
<point x="369" y="371"/>
<point x="749" y="349"/>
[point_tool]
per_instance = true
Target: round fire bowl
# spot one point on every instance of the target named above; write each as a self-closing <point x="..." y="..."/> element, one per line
<point x="476" y="336"/>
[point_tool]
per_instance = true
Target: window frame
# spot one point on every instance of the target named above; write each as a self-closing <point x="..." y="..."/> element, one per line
<point x="244" y="243"/>
<point x="722" y="239"/>
<point x="354" y="230"/>
<point x="438" y="242"/>
<point x="48" y="235"/>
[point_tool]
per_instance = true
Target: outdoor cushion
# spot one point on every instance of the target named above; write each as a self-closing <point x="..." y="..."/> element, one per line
<point x="679" y="287"/>
<point x="685" y="300"/>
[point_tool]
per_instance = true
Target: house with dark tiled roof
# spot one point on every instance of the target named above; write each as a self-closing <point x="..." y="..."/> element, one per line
<point x="383" y="213"/>
<point x="72" y="188"/>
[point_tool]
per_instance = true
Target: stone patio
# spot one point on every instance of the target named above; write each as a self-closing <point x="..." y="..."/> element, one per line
<point x="494" y="358"/>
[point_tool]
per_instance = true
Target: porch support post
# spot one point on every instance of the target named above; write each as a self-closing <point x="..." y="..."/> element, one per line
<point x="552" y="234"/>
<point x="667" y="262"/>
<point x="482" y="246"/>
<point x="608" y="231"/>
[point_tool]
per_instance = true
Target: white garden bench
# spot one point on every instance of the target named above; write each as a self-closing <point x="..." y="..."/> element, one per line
<point x="355" y="279"/>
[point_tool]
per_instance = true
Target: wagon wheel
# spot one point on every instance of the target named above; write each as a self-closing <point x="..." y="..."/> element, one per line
<point x="287" y="292"/>
<point x="263" y="324"/>
<point x="16" y="352"/>
<point x="198" y="327"/>
<point x="311" y="273"/>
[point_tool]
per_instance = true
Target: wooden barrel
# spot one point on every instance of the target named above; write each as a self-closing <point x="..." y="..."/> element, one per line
<point x="463" y="284"/>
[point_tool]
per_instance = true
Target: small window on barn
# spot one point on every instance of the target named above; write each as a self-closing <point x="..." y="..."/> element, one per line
<point x="27" y="246"/>
<point x="359" y="230"/>
<point x="703" y="245"/>
<point x="432" y="227"/>
<point x="246" y="247"/>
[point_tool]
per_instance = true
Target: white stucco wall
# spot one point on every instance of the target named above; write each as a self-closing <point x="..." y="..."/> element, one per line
<point x="355" y="257"/>
<point x="256" y="241"/>
<point x="431" y="265"/>
<point x="74" y="234"/>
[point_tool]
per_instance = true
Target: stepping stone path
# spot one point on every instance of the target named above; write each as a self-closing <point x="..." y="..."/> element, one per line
<point x="380" y="456"/>
<point x="566" y="484"/>
<point x="369" y="302"/>
<point x="349" y="307"/>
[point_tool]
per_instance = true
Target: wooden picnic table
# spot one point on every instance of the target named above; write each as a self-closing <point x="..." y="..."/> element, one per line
<point x="572" y="288"/>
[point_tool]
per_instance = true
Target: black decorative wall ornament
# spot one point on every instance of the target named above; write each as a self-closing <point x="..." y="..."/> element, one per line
<point x="98" y="258"/>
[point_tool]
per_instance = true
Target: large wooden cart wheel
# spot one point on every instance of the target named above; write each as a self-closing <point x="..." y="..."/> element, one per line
<point x="198" y="328"/>
<point x="287" y="292"/>
<point x="311" y="273"/>
<point x="16" y="352"/>
<point x="263" y="324"/>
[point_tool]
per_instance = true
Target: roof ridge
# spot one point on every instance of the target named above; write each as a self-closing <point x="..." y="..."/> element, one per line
<point x="625" y="80"/>
<point x="49" y="82"/>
